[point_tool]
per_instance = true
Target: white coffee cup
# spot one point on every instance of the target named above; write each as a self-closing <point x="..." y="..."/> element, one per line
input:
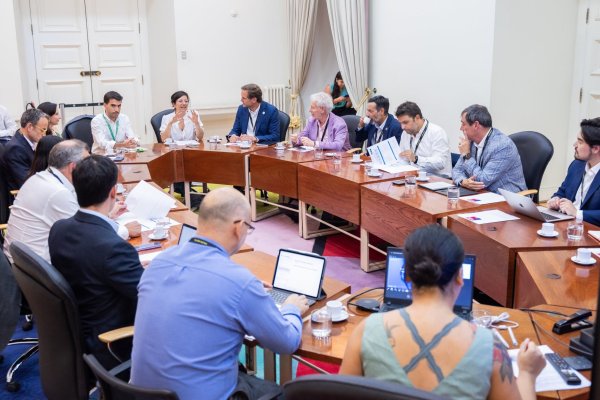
<point x="335" y="308"/>
<point x="356" y="157"/>
<point x="422" y="175"/>
<point x="245" y="144"/>
<point x="584" y="255"/>
<point x="366" y="120"/>
<point x="374" y="171"/>
<point x="161" y="229"/>
<point x="548" y="228"/>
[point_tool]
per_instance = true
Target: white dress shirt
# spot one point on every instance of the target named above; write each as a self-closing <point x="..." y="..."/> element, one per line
<point x="44" y="198"/>
<point x="189" y="129"/>
<point x="102" y="135"/>
<point x="433" y="151"/>
<point x="588" y="178"/>
<point x="8" y="126"/>
<point x="252" y="121"/>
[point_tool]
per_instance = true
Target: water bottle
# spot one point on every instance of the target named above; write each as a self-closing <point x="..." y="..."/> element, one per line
<point x="575" y="229"/>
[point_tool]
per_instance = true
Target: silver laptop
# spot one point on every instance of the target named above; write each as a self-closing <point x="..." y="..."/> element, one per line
<point x="524" y="205"/>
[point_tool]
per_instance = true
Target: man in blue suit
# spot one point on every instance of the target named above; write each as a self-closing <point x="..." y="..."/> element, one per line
<point x="579" y="194"/>
<point x="381" y="125"/>
<point x="19" y="152"/>
<point x="102" y="268"/>
<point x="256" y="120"/>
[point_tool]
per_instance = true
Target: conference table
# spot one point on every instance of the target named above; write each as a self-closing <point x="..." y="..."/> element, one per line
<point x="496" y="246"/>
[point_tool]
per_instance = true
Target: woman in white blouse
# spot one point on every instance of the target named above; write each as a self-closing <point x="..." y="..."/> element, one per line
<point x="182" y="123"/>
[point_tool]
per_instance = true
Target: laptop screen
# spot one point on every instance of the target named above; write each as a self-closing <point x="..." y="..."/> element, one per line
<point x="465" y="297"/>
<point x="187" y="232"/>
<point x="299" y="272"/>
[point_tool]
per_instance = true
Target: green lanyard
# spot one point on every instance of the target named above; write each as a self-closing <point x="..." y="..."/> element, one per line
<point x="110" y="129"/>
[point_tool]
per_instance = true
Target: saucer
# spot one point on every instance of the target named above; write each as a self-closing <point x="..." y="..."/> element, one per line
<point x="553" y="234"/>
<point x="341" y="317"/>
<point x="374" y="175"/>
<point x="423" y="179"/>
<point x="356" y="161"/>
<point x="329" y="154"/>
<point x="590" y="262"/>
<point x="280" y="148"/>
<point x="152" y="237"/>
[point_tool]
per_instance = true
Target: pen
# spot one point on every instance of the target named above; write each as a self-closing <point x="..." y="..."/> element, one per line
<point x="500" y="338"/>
<point x="512" y="336"/>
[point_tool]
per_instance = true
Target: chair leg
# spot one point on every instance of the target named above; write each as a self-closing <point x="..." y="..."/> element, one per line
<point x="13" y="386"/>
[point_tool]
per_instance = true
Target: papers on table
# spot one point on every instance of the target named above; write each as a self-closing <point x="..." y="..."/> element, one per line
<point x="487" y="217"/>
<point x="147" y="257"/>
<point x="147" y="224"/>
<point x="147" y="202"/>
<point x="397" y="168"/>
<point x="548" y="379"/>
<point x="595" y="235"/>
<point x="435" y="186"/>
<point x="484" y="198"/>
<point x="385" y="153"/>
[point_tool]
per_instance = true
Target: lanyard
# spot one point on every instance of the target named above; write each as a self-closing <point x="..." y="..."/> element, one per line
<point x="480" y="159"/>
<point x="114" y="135"/>
<point x="253" y="122"/>
<point x="203" y="242"/>
<point x="324" y="130"/>
<point x="421" y="138"/>
<point x="56" y="176"/>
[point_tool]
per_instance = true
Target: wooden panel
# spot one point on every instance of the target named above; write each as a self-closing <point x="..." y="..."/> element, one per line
<point x="163" y="169"/>
<point x="129" y="173"/>
<point x="226" y="167"/>
<point x="274" y="175"/>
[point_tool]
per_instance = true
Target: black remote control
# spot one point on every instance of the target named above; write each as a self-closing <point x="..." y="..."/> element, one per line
<point x="564" y="369"/>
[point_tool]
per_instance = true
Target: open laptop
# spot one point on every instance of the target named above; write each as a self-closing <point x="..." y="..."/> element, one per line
<point x="187" y="232"/>
<point x="398" y="292"/>
<point x="524" y="205"/>
<point x="298" y="272"/>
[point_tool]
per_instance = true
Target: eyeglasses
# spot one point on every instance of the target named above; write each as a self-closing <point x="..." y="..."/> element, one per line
<point x="250" y="227"/>
<point x="42" y="130"/>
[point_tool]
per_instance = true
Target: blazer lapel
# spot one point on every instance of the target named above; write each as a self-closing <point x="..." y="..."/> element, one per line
<point x="259" y="117"/>
<point x="593" y="187"/>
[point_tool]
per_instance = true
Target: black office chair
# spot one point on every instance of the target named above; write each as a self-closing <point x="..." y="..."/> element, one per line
<point x="156" y="120"/>
<point x="326" y="387"/>
<point x="284" y="123"/>
<point x="352" y="124"/>
<point x="536" y="152"/>
<point x="80" y="128"/>
<point x="62" y="370"/>
<point x="5" y="199"/>
<point x="113" y="388"/>
<point x="454" y="157"/>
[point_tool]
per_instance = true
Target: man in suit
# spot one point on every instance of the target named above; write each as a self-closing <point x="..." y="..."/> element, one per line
<point x="488" y="158"/>
<point x="324" y="130"/>
<point x="579" y="194"/>
<point x="102" y="268"/>
<point x="256" y="120"/>
<point x="381" y="125"/>
<point x="19" y="151"/>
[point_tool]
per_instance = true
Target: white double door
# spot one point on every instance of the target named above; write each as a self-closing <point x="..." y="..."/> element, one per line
<point x="85" y="48"/>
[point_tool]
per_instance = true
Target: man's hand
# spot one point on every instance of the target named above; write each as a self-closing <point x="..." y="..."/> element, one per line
<point x="266" y="284"/>
<point x="249" y="138"/>
<point x="361" y="122"/>
<point x="298" y="301"/>
<point x="471" y="183"/>
<point x="307" y="142"/>
<point x="554" y="203"/>
<point x="118" y="209"/>
<point x="294" y="138"/>
<point x="464" y="146"/>
<point x="134" y="228"/>
<point x="566" y="206"/>
<point x="409" y="155"/>
<point x="234" y="138"/>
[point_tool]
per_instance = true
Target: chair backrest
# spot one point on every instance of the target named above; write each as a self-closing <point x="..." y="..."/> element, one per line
<point x="115" y="389"/>
<point x="454" y="157"/>
<point x="80" y="128"/>
<point x="536" y="152"/>
<point x="4" y="196"/>
<point x="156" y="120"/>
<point x="352" y="123"/>
<point x="326" y="387"/>
<point x="284" y="123"/>
<point x="10" y="301"/>
<point x="63" y="372"/>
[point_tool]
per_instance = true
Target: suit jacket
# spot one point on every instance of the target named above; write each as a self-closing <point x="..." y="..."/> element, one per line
<point x="568" y="189"/>
<point x="267" y="123"/>
<point x="391" y="128"/>
<point x="17" y="160"/>
<point x="499" y="168"/>
<point x="335" y="137"/>
<point x="103" y="271"/>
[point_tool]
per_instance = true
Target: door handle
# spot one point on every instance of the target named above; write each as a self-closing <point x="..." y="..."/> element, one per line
<point x="90" y="73"/>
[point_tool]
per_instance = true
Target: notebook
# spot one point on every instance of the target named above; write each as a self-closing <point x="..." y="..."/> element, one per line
<point x="298" y="272"/>
<point x="398" y="292"/>
<point x="524" y="205"/>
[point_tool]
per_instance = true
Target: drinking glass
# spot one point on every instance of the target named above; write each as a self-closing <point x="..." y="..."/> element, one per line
<point x="321" y="323"/>
<point x="453" y="195"/>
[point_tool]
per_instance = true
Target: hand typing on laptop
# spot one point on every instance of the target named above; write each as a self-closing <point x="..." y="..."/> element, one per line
<point x="297" y="300"/>
<point x="563" y="205"/>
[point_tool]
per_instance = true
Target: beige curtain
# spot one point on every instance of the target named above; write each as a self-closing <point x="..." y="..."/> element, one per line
<point x="301" y="16"/>
<point x="348" y="20"/>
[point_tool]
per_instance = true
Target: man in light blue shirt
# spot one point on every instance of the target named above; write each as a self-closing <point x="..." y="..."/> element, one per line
<point x="195" y="305"/>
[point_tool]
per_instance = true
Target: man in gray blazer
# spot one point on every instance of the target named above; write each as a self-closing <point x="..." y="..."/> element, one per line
<point x="488" y="158"/>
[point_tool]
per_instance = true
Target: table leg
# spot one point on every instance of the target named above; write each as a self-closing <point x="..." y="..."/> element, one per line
<point x="285" y="368"/>
<point x="187" y="196"/>
<point x="247" y="175"/>
<point x="302" y="223"/>
<point x="253" y="204"/>
<point x="269" y="361"/>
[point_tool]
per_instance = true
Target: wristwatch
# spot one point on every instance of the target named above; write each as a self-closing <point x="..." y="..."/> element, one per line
<point x="467" y="156"/>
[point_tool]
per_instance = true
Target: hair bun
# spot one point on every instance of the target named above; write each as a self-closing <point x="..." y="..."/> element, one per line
<point x="426" y="272"/>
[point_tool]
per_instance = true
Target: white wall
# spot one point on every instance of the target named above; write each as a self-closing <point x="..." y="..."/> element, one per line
<point x="437" y="53"/>
<point x="11" y="90"/>
<point x="534" y="49"/>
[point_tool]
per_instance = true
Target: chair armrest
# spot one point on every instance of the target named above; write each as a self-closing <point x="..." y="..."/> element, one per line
<point x="3" y="226"/>
<point x="116" y="334"/>
<point x="528" y="192"/>
<point x="14" y="193"/>
<point x="352" y="151"/>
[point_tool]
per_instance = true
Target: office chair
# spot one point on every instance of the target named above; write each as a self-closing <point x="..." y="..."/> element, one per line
<point x="284" y="123"/>
<point x="155" y="122"/>
<point x="113" y="388"/>
<point x="536" y="152"/>
<point x="352" y="124"/>
<point x="5" y="200"/>
<point x="454" y="157"/>
<point x="326" y="387"/>
<point x="80" y="128"/>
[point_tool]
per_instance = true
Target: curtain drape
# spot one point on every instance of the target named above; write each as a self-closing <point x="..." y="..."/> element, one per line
<point x="301" y="16"/>
<point x="348" y="20"/>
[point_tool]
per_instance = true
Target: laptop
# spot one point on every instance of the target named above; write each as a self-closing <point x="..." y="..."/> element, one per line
<point x="187" y="232"/>
<point x="398" y="293"/>
<point x="442" y="188"/>
<point x="298" y="272"/>
<point x="524" y="205"/>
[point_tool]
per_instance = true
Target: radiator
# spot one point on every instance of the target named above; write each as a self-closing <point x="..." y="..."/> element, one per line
<point x="278" y="95"/>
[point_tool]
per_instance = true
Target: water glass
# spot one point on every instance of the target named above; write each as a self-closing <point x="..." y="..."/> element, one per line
<point x="337" y="159"/>
<point x="453" y="195"/>
<point x="321" y="323"/>
<point x="574" y="230"/>
<point x="318" y="153"/>
<point x="410" y="186"/>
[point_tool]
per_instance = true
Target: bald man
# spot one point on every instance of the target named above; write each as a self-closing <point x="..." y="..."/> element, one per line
<point x="195" y="305"/>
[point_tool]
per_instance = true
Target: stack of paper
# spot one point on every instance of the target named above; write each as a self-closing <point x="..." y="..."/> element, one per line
<point x="487" y="217"/>
<point x="485" y="198"/>
<point x="146" y="204"/>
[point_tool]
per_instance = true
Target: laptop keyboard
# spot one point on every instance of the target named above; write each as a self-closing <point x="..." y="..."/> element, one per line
<point x="278" y="296"/>
<point x="547" y="216"/>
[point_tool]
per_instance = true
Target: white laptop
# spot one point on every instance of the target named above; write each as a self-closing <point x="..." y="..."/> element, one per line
<point x="524" y="205"/>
